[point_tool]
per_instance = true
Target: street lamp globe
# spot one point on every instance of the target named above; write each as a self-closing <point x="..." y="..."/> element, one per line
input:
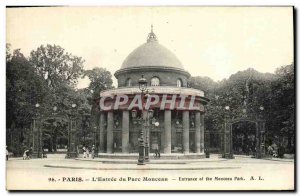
<point x="37" y="105"/>
<point x="74" y="105"/>
<point x="227" y="107"/>
<point x="261" y="108"/>
<point x="156" y="124"/>
<point x="142" y="83"/>
<point x="54" y="108"/>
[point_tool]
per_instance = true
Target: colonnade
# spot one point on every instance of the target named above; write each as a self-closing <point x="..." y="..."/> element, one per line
<point x="106" y="124"/>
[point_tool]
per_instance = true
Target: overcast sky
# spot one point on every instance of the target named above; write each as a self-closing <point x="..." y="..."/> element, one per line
<point x="209" y="41"/>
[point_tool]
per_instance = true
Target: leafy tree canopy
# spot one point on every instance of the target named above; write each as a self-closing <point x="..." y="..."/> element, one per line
<point x="101" y="79"/>
<point x="56" y="66"/>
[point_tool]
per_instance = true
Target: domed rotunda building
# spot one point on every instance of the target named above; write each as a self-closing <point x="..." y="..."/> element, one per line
<point x="153" y="102"/>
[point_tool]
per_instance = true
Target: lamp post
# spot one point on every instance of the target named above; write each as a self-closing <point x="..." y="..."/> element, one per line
<point x="142" y="86"/>
<point x="71" y="134"/>
<point x="260" y="134"/>
<point x="143" y="144"/>
<point x="147" y="120"/>
<point x="36" y="137"/>
<point x="54" y="143"/>
<point x="95" y="135"/>
<point x="261" y="110"/>
<point x="227" y="137"/>
<point x="141" y="158"/>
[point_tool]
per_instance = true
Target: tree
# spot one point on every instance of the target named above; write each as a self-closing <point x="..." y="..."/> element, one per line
<point x="47" y="78"/>
<point x="100" y="78"/>
<point x="24" y="88"/>
<point x="60" y="71"/>
<point x="205" y="84"/>
<point x="8" y="52"/>
<point x="56" y="66"/>
<point x="252" y="89"/>
<point x="282" y="102"/>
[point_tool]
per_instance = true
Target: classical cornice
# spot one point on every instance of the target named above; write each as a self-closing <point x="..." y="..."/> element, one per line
<point x="152" y="68"/>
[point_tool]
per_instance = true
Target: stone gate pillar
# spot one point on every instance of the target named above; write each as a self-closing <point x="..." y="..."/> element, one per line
<point x="72" y="131"/>
<point x="36" y="139"/>
<point x="202" y="134"/>
<point x="260" y="139"/>
<point x="228" y="154"/>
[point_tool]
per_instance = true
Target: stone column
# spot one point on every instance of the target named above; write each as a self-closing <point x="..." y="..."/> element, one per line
<point x="162" y="131"/>
<point x="202" y="132"/>
<point x="186" y="131"/>
<point x="167" y="146"/>
<point x="125" y="131"/>
<point x="110" y="134"/>
<point x="101" y="132"/>
<point x="197" y="131"/>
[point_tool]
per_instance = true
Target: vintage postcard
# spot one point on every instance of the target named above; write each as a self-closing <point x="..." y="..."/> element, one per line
<point x="150" y="98"/>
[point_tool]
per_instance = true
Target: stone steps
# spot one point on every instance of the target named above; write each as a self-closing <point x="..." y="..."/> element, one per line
<point x="172" y="156"/>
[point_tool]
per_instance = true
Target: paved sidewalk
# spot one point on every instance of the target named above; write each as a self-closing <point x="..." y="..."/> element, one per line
<point x="152" y="161"/>
<point x="213" y="163"/>
<point x="93" y="164"/>
<point x="58" y="168"/>
<point x="279" y="159"/>
<point x="213" y="159"/>
<point x="265" y="158"/>
<point x="141" y="167"/>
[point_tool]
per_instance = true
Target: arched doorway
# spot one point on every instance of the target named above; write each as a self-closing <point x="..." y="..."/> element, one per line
<point x="258" y="151"/>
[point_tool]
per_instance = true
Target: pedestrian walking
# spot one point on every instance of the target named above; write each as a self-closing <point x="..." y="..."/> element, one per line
<point x="270" y="151"/>
<point x="156" y="150"/>
<point x="84" y="152"/>
<point x="93" y="151"/>
<point x="26" y="155"/>
<point x="87" y="152"/>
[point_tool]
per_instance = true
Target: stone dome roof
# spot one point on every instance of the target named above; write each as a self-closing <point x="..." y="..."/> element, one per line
<point x="151" y="54"/>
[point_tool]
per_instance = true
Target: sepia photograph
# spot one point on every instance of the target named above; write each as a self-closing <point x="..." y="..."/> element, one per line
<point x="161" y="98"/>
